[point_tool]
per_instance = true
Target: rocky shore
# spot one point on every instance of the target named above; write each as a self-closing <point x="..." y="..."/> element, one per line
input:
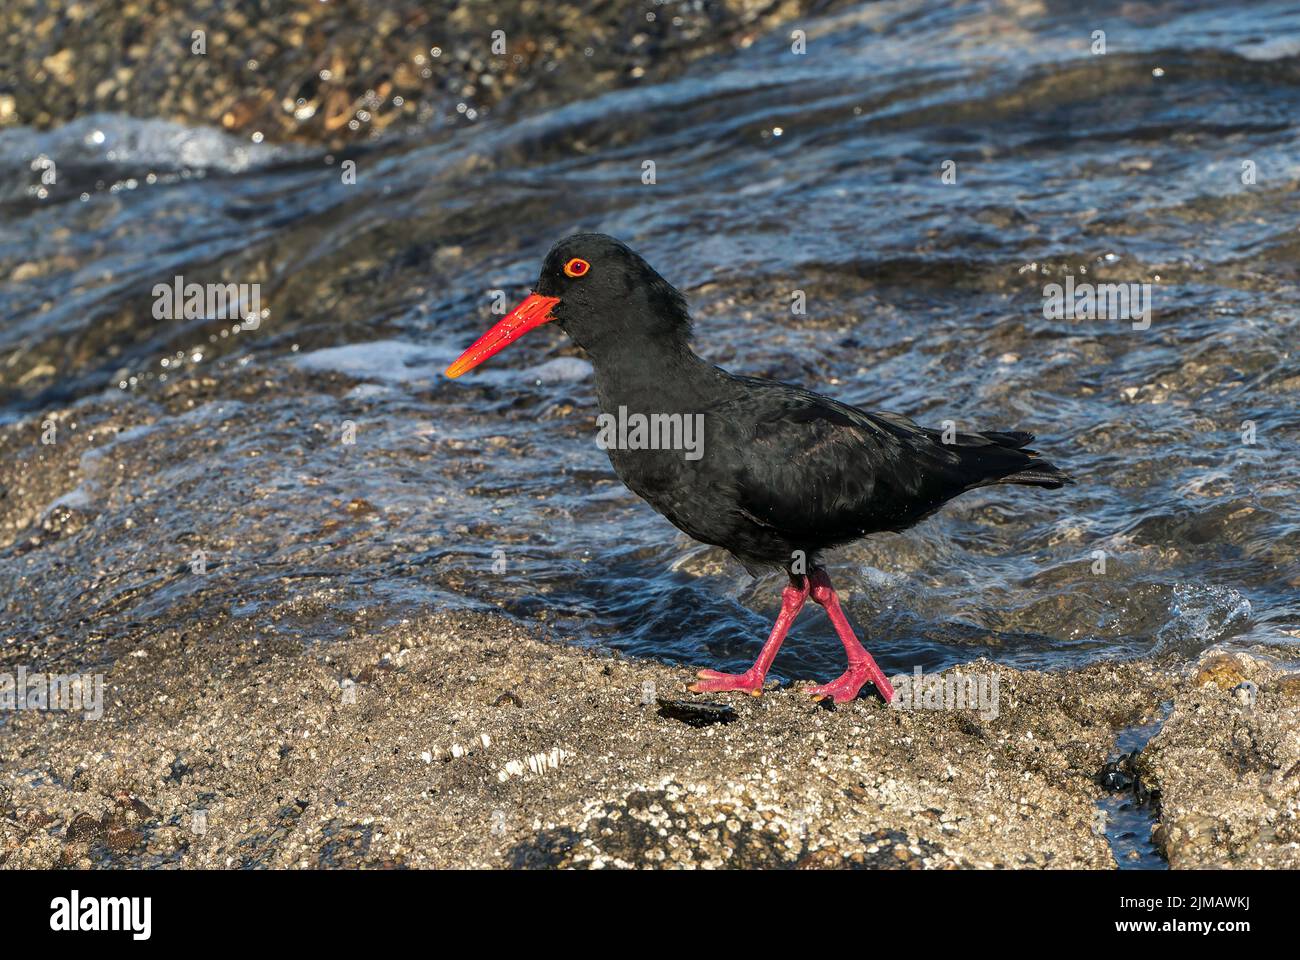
<point x="290" y="706"/>
<point x="277" y="545"/>
<point x="346" y="70"/>
<point x="465" y="741"/>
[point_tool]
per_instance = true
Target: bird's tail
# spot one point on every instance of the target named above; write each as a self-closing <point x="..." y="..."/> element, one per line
<point x="1006" y="458"/>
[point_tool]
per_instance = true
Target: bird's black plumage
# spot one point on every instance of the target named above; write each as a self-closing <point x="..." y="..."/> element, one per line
<point x="772" y="472"/>
<point x="784" y="472"/>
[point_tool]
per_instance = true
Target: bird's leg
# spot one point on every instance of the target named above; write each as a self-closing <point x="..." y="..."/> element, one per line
<point x="751" y="681"/>
<point x="861" y="665"/>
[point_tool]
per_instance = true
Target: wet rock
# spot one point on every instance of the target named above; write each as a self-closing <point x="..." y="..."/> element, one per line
<point x="1224" y="670"/>
<point x="1117" y="775"/>
<point x="336" y="72"/>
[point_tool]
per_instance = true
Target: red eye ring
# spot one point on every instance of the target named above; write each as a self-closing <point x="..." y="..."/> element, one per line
<point x="576" y="267"/>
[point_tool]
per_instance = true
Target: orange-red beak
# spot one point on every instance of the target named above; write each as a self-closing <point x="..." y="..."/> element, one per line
<point x="533" y="312"/>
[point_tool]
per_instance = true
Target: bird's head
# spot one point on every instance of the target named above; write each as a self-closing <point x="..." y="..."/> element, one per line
<point x="601" y="293"/>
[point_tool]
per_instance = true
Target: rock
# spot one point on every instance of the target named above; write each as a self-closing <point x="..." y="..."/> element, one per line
<point x="1224" y="670"/>
<point x="203" y="724"/>
<point x="344" y="77"/>
<point x="84" y="827"/>
<point x="696" y="713"/>
<point x="1228" y="774"/>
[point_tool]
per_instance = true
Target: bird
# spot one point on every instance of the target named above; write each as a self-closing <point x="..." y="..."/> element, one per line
<point x="775" y="474"/>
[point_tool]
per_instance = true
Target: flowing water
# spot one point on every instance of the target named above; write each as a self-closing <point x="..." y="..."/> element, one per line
<point x="202" y="469"/>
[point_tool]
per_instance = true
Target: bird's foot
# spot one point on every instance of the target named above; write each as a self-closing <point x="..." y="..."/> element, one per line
<point x="711" y="681"/>
<point x="845" y="687"/>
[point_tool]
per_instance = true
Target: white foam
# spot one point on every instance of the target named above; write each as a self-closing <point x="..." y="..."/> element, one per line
<point x="388" y="361"/>
<point x="145" y="142"/>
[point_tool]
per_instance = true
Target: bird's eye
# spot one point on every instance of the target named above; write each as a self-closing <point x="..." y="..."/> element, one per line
<point x="576" y="267"/>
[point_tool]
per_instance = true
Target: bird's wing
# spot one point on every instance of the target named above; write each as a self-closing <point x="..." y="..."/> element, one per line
<point x="818" y="471"/>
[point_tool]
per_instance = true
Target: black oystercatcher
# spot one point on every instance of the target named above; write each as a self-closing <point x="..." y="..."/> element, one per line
<point x="781" y="473"/>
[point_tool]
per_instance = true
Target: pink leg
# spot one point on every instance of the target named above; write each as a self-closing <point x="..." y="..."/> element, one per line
<point x="861" y="665"/>
<point x="751" y="681"/>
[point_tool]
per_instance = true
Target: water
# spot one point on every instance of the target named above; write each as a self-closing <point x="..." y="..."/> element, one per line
<point x="1128" y="809"/>
<point x="774" y="173"/>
